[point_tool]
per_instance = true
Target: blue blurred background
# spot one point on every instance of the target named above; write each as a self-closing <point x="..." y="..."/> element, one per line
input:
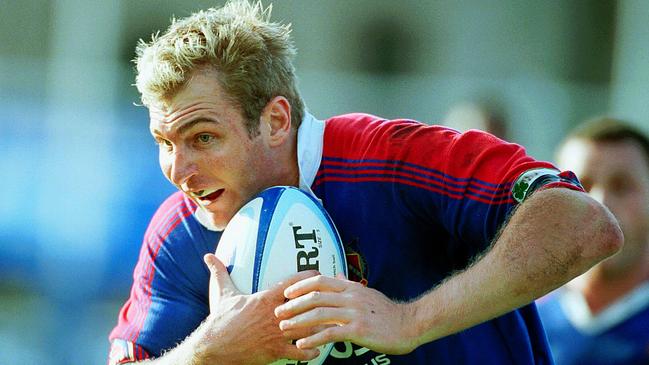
<point x="79" y="178"/>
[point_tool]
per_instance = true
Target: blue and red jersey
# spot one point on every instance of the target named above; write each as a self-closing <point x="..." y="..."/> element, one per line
<point x="619" y="335"/>
<point x="413" y="203"/>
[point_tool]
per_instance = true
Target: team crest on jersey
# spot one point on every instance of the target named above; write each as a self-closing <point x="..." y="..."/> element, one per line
<point x="356" y="266"/>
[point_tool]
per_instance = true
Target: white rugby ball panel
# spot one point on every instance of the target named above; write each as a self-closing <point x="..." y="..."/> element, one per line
<point x="299" y="238"/>
<point x="278" y="233"/>
<point x="235" y="248"/>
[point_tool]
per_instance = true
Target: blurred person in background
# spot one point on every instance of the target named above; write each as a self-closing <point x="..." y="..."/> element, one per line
<point x="452" y="228"/>
<point x="602" y="317"/>
<point x="475" y="115"/>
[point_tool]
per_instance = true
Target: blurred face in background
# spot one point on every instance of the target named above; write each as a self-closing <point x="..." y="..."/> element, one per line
<point x="617" y="175"/>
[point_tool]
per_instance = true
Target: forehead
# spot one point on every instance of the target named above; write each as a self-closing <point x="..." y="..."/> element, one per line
<point x="603" y="158"/>
<point x="202" y="94"/>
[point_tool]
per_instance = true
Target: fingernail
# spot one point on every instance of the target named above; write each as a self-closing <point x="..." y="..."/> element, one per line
<point x="209" y="261"/>
<point x="284" y="325"/>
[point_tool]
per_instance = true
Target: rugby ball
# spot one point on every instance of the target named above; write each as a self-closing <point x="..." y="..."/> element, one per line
<point x="280" y="232"/>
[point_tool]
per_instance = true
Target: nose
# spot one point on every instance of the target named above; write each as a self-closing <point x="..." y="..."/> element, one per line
<point x="180" y="167"/>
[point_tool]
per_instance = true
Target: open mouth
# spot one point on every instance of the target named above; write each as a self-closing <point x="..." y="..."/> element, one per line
<point x="205" y="197"/>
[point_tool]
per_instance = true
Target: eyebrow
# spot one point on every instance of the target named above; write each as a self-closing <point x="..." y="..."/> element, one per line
<point x="187" y="126"/>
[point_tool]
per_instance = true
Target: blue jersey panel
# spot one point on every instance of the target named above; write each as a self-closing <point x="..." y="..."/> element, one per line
<point x="179" y="296"/>
<point x="625" y="343"/>
<point x="169" y="297"/>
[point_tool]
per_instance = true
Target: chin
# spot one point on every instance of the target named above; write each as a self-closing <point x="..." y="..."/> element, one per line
<point x="220" y="223"/>
<point x="220" y="219"/>
<point x="214" y="221"/>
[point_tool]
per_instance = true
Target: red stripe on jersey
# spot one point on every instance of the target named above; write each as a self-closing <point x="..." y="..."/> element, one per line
<point x="471" y="155"/>
<point x="478" y="164"/>
<point x="410" y="183"/>
<point x="391" y="165"/>
<point x="322" y="176"/>
<point x="133" y="315"/>
<point x="167" y="212"/>
<point x="150" y="274"/>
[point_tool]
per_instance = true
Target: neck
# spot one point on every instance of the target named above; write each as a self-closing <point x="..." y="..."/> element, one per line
<point x="602" y="290"/>
<point x="295" y="166"/>
<point x="289" y="171"/>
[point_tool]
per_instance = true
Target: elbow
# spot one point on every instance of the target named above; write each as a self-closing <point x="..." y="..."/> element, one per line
<point x="605" y="238"/>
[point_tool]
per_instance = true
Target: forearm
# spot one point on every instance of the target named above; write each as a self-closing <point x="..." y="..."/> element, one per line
<point x="554" y="236"/>
<point x="191" y="351"/>
<point x="240" y="329"/>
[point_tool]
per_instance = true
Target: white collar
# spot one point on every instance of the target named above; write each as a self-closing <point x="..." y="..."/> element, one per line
<point x="310" y="137"/>
<point x="578" y="313"/>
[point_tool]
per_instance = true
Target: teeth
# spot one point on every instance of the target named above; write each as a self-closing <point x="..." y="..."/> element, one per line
<point x="202" y="193"/>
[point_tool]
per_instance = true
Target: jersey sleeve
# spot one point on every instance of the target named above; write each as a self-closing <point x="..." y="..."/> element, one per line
<point x="490" y="177"/>
<point x="467" y="182"/>
<point x="168" y="299"/>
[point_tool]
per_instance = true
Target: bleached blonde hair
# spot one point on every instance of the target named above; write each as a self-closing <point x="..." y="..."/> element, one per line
<point x="253" y="58"/>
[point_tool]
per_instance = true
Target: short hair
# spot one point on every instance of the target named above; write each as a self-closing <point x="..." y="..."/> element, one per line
<point x="252" y="56"/>
<point x="607" y="129"/>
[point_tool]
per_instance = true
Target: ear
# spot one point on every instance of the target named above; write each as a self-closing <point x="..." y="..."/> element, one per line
<point x="276" y="120"/>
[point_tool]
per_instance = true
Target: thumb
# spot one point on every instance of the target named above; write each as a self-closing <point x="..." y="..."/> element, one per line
<point x="221" y="285"/>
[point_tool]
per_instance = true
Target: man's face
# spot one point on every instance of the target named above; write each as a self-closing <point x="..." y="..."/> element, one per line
<point x="205" y="149"/>
<point x="615" y="174"/>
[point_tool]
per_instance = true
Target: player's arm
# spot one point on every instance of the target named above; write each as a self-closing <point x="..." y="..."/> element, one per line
<point x="175" y="320"/>
<point x="551" y="238"/>
<point x="240" y="329"/>
<point x="187" y="352"/>
<point x="555" y="235"/>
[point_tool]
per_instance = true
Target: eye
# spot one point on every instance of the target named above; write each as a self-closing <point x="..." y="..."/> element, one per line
<point x="621" y="185"/>
<point x="204" y="138"/>
<point x="163" y="143"/>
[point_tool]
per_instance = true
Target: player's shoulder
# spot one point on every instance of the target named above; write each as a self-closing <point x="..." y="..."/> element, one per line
<point x="374" y="137"/>
<point x="175" y="235"/>
<point x="363" y="124"/>
<point x="173" y="211"/>
<point x="364" y="121"/>
<point x="353" y="118"/>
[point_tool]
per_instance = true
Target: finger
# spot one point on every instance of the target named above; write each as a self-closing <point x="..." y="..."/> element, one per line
<point x="315" y="283"/>
<point x="316" y="317"/>
<point x="296" y="278"/>
<point x="294" y="353"/>
<point x="306" y="302"/>
<point x="330" y="334"/>
<point x="277" y="290"/>
<point x="221" y="284"/>
<point x="295" y="334"/>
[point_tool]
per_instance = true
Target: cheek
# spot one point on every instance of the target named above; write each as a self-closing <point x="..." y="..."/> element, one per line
<point x="250" y="165"/>
<point x="639" y="214"/>
<point x="632" y="212"/>
<point x="165" y="165"/>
